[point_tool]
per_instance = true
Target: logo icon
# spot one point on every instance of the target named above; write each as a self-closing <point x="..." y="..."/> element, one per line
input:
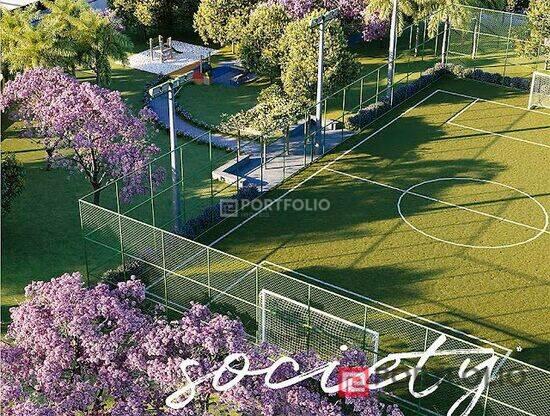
<point x="353" y="382"/>
<point x="229" y="208"/>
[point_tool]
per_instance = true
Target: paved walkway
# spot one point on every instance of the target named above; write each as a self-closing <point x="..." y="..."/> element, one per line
<point x="278" y="166"/>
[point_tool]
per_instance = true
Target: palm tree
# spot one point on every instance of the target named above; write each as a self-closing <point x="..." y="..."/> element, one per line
<point x="435" y="11"/>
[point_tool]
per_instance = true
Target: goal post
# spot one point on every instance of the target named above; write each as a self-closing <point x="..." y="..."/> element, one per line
<point x="295" y="327"/>
<point x="540" y="90"/>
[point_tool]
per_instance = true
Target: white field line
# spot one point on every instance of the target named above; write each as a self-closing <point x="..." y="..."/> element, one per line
<point x="463" y="110"/>
<point x="403" y="314"/>
<point x="440" y="201"/>
<point x="323" y="168"/>
<point x="498" y="134"/>
<point x="231" y="286"/>
<point x="494" y="102"/>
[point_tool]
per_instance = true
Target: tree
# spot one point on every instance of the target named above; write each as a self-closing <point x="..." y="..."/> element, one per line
<point x="105" y="141"/>
<point x="274" y="112"/>
<point x="222" y="21"/>
<point x="101" y="351"/>
<point x="436" y="11"/>
<point x="259" y="46"/>
<point x="537" y="41"/>
<point x="12" y="181"/>
<point x="154" y="14"/>
<point x="299" y="62"/>
<point x="70" y="35"/>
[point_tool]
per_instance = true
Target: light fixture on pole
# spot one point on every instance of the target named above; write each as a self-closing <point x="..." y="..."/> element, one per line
<point x="320" y="23"/>
<point x="168" y="88"/>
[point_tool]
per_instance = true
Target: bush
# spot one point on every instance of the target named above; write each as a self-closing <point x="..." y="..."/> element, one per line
<point x="12" y="181"/>
<point x="367" y="115"/>
<point x="211" y="215"/>
<point x="123" y="273"/>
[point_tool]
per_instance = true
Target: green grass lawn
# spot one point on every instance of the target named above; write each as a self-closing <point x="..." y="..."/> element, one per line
<point x="41" y="236"/>
<point x="362" y="244"/>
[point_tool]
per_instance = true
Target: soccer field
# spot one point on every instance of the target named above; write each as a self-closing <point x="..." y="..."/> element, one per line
<point x="441" y="210"/>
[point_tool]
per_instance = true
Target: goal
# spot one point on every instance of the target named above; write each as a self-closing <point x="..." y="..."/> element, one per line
<point x="540" y="90"/>
<point x="295" y="327"/>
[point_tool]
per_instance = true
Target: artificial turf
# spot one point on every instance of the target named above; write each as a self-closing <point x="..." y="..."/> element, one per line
<point x="362" y="244"/>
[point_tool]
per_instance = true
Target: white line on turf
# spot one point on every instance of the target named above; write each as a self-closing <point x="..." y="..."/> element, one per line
<point x="494" y="102"/>
<point x="463" y="110"/>
<point x="382" y="304"/>
<point x="323" y="168"/>
<point x="497" y="134"/>
<point x="405" y="191"/>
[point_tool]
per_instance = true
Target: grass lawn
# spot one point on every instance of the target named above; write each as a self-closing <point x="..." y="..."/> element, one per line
<point x="436" y="263"/>
<point x="41" y="236"/>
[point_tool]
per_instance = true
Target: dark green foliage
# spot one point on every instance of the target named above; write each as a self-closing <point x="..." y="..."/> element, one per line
<point x="12" y="181"/>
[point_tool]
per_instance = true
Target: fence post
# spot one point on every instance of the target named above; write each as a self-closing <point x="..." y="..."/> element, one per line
<point x="122" y="257"/>
<point x="325" y="127"/>
<point x="164" y="268"/>
<point x="343" y="113"/>
<point x="377" y="84"/>
<point x="211" y="177"/>
<point x="208" y="283"/>
<point x="308" y="339"/>
<point x="152" y="195"/>
<point x="361" y="94"/>
<point x="260" y="317"/>
<point x="262" y="161"/>
<point x="182" y="173"/>
<point x="507" y="46"/>
<point x="306" y="123"/>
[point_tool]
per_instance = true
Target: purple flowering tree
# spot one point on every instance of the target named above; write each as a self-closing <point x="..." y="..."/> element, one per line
<point x="83" y="127"/>
<point x="101" y="351"/>
<point x="375" y="27"/>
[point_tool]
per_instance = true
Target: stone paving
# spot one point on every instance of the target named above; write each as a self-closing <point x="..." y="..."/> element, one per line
<point x="278" y="165"/>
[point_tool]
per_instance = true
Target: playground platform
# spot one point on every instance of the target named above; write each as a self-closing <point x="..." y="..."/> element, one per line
<point x="185" y="57"/>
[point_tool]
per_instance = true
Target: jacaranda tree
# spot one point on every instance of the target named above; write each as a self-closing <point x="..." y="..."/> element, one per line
<point x="83" y="127"/>
<point x="72" y="350"/>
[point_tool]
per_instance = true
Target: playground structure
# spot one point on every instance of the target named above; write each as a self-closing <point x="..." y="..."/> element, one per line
<point x="164" y="50"/>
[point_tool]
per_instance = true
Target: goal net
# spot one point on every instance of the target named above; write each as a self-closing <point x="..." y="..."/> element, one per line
<point x="295" y="327"/>
<point x="540" y="90"/>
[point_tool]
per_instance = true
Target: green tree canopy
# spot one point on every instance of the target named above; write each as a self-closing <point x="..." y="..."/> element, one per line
<point x="259" y="46"/>
<point x="222" y="21"/>
<point x="70" y="35"/>
<point x="538" y="42"/>
<point x="299" y="46"/>
<point x="12" y="181"/>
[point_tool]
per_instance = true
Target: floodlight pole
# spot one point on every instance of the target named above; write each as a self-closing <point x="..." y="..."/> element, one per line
<point x="176" y="180"/>
<point x="320" y="23"/>
<point x="168" y="88"/>
<point x="392" y="50"/>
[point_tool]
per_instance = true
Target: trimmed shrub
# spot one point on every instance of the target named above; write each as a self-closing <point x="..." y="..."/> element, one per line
<point x="211" y="215"/>
<point x="367" y="115"/>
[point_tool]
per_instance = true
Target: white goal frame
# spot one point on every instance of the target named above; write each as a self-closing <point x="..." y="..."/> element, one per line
<point x="372" y="336"/>
<point x="536" y="97"/>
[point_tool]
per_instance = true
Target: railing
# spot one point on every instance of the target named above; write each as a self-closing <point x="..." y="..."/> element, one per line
<point x="178" y="271"/>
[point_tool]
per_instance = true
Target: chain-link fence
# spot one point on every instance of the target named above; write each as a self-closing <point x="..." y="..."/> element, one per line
<point x="495" y="41"/>
<point x="178" y="271"/>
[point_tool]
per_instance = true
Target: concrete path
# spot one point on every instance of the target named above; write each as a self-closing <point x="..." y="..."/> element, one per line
<point x="278" y="164"/>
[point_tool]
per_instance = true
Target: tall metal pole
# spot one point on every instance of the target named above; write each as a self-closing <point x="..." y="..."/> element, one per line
<point x="320" y="22"/>
<point x="176" y="205"/>
<point x="444" y="46"/>
<point x="320" y="62"/>
<point x="392" y="50"/>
